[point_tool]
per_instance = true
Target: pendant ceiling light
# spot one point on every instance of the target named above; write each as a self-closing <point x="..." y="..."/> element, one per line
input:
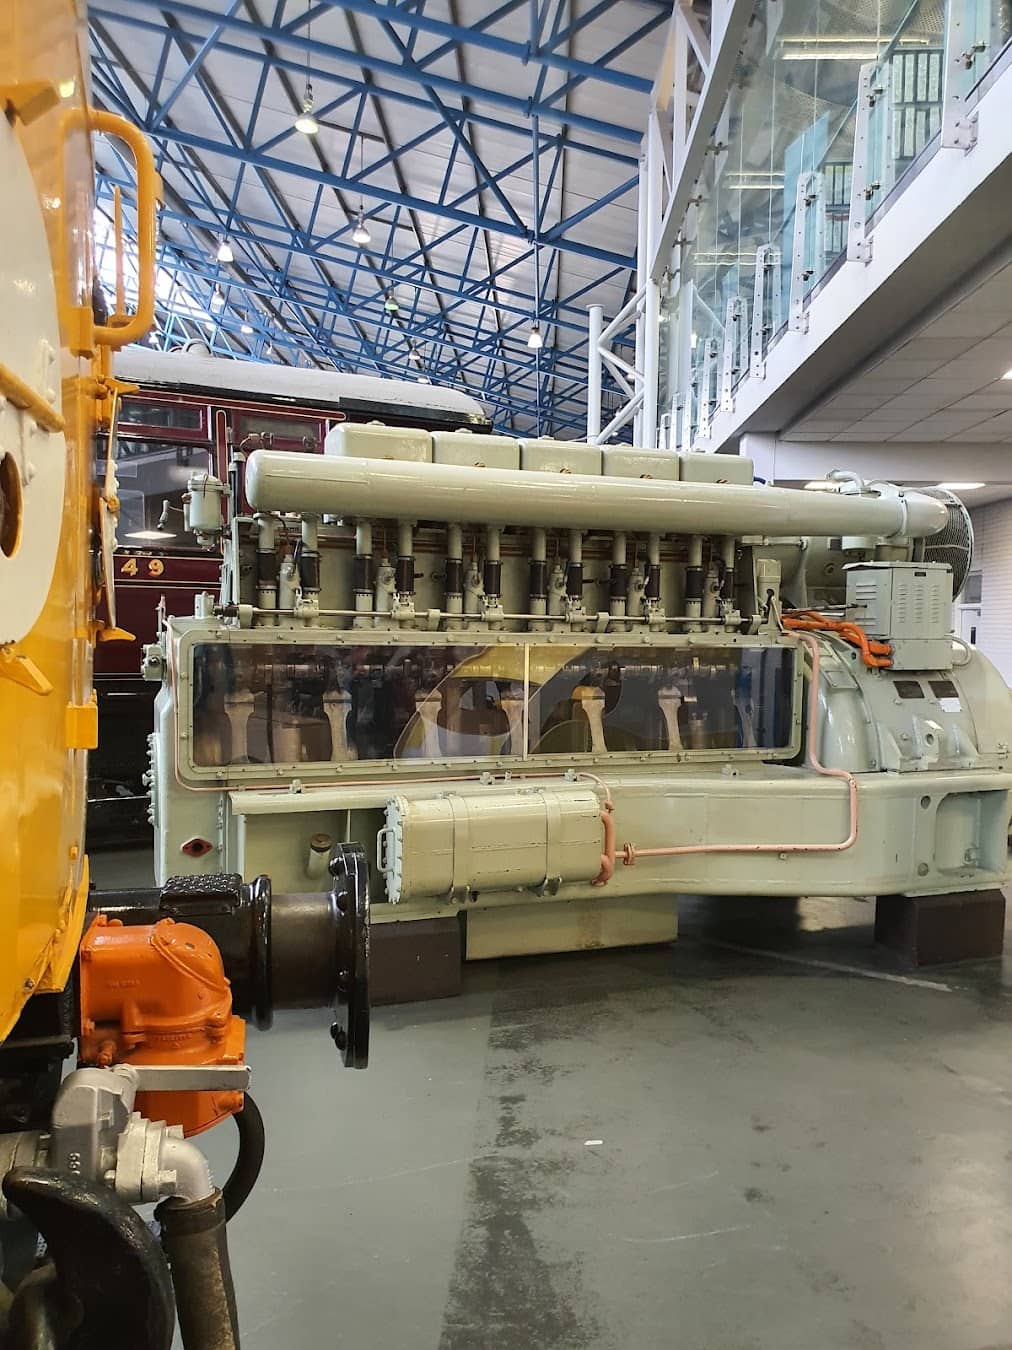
<point x="361" y="233"/>
<point x="306" y="122"/>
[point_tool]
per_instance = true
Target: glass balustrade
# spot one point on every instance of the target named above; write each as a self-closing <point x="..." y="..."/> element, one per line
<point x="832" y="111"/>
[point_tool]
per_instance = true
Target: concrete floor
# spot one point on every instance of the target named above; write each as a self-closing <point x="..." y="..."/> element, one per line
<point x="759" y="1139"/>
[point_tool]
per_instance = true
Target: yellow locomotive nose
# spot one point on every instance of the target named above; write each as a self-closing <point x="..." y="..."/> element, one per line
<point x="53" y="380"/>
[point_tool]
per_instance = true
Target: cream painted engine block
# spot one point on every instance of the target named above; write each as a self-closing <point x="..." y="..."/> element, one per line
<point x="551" y="687"/>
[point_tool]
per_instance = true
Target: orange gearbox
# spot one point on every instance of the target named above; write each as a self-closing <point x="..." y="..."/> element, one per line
<point x="157" y="994"/>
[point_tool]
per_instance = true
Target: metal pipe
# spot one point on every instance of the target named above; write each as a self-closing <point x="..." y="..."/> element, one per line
<point x="472" y="590"/>
<point x="618" y="580"/>
<point x="193" y="1171"/>
<point x="383" y="588"/>
<point x="363" y="579"/>
<point x="353" y="487"/>
<point x="267" y="562"/>
<point x="453" y="590"/>
<point x="538" y="597"/>
<point x="309" y="556"/>
<point x="287" y="580"/>
<point x="728" y="583"/>
<point x="377" y="613"/>
<point x="574" y="569"/>
<point x="652" y="589"/>
<point x="492" y="569"/>
<point x="694" y="578"/>
<point x="404" y="579"/>
<point x="303" y="958"/>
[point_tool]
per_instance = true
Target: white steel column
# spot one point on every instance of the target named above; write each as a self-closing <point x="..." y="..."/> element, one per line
<point x="595" y="322"/>
<point x="648" y="355"/>
<point x="641" y="275"/>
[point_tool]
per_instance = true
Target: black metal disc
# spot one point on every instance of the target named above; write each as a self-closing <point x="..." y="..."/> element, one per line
<point x="350" y="895"/>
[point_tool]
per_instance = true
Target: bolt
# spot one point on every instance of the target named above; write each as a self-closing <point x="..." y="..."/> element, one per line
<point x="340" y="1036"/>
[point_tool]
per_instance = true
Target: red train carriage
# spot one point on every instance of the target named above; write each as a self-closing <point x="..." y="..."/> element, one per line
<point x="188" y="413"/>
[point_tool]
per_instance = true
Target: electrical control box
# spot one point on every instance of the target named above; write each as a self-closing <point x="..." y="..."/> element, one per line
<point x="908" y="605"/>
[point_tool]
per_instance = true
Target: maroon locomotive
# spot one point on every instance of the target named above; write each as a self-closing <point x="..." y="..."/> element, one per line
<point x="187" y="414"/>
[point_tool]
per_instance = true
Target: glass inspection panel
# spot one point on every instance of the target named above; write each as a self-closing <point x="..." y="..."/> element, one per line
<point x="266" y="703"/>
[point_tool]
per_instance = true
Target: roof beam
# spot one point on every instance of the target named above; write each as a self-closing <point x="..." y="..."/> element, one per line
<point x="273" y="165"/>
<point x="386" y="12"/>
<point x="255" y="32"/>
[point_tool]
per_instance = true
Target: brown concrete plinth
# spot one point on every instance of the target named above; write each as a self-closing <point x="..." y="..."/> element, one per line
<point x="416" y="960"/>
<point x="927" y="930"/>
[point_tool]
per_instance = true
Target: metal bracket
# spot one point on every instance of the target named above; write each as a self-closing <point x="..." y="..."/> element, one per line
<point x="686" y="437"/>
<point x="190" y="1077"/>
<point x="859" y="246"/>
<point x="765" y="296"/>
<point x="705" y="387"/>
<point x="959" y="129"/>
<point x="809" y="204"/>
<point x="734" y="358"/>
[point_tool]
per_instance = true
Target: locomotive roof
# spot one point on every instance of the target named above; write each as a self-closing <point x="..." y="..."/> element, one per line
<point x="142" y="365"/>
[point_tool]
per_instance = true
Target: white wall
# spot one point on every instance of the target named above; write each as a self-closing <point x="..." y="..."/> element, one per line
<point x="992" y="528"/>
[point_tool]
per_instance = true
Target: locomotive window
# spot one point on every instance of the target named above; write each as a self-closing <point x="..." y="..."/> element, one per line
<point x="152" y="480"/>
<point x="290" y="433"/>
<point x="158" y="413"/>
<point x="266" y="703"/>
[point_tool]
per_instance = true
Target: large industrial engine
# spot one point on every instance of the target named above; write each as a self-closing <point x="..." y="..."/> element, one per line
<point x="547" y="687"/>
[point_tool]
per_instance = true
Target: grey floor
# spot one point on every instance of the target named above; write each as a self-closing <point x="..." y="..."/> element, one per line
<point x="762" y="1138"/>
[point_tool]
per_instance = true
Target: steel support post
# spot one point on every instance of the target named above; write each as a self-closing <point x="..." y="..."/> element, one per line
<point x="648" y="361"/>
<point x="595" y="322"/>
<point x="641" y="277"/>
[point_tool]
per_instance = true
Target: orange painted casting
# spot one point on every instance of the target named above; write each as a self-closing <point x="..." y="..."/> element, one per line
<point x="157" y="994"/>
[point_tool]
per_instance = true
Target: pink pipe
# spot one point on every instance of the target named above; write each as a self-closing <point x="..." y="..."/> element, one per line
<point x="631" y="852"/>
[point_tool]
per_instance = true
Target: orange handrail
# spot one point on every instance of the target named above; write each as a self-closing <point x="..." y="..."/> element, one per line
<point x="126" y="328"/>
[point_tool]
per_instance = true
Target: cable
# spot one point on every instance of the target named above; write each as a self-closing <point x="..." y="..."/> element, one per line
<point x="252" y="1142"/>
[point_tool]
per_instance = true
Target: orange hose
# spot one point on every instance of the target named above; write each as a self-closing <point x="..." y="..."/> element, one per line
<point x="875" y="655"/>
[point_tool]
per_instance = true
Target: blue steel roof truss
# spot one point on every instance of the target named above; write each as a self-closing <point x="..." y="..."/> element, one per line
<point x="531" y="215"/>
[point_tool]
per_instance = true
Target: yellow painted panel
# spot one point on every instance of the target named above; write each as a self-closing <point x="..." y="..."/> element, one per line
<point x="43" y="876"/>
